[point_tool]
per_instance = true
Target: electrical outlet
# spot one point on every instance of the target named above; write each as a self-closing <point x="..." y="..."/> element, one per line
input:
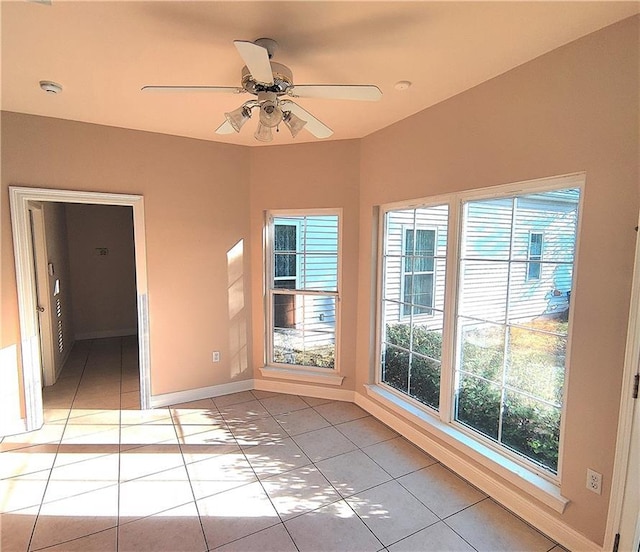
<point x="216" y="356"/>
<point x="594" y="481"/>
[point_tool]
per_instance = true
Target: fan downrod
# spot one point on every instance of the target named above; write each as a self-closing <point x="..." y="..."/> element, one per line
<point x="268" y="44"/>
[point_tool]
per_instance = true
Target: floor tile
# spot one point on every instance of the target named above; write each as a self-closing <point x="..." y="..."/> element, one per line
<point x="75" y="517"/>
<point x="135" y="417"/>
<point x="248" y="459"/>
<point x="257" y="431"/>
<point x="436" y="538"/>
<point x="239" y="412"/>
<point x="398" y="456"/>
<point x="24" y="491"/>
<point x="81" y="477"/>
<point x="315" y="401"/>
<point x="49" y="433"/>
<point x="234" y="514"/>
<point x="366" y="431"/>
<point x="103" y="541"/>
<point x="490" y="528"/>
<point x="234" y="398"/>
<point x="198" y="452"/>
<point x="27" y="460"/>
<point x="198" y="417"/>
<point x="301" y="421"/>
<point x="220" y="473"/>
<point x="148" y="459"/>
<point x="391" y="512"/>
<point x="154" y="493"/>
<point x="275" y="458"/>
<point x="273" y="539"/>
<point x="352" y="472"/>
<point x="202" y="404"/>
<point x="70" y="453"/>
<point x="332" y="528"/>
<point x="324" y="443"/>
<point x="338" y="412"/>
<point x="260" y="394"/>
<point x="175" y="530"/>
<point x="443" y="492"/>
<point x="147" y="434"/>
<point x="16" y="530"/>
<point x="203" y="435"/>
<point x="299" y="491"/>
<point x="93" y="417"/>
<point x="280" y="404"/>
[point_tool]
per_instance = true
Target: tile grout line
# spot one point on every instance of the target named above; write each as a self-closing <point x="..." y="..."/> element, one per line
<point x="35" y="523"/>
<point x="184" y="463"/>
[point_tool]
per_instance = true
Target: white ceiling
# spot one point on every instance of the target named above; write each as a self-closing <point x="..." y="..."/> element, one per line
<point x="102" y="53"/>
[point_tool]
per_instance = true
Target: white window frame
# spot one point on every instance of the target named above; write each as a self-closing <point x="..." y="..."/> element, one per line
<point x="296" y="225"/>
<point x="525" y="474"/>
<point x="535" y="258"/>
<point x="296" y="372"/>
<point x="404" y="273"/>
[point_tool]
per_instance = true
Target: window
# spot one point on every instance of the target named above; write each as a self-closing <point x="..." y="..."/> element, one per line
<point x="535" y="255"/>
<point x="302" y="290"/>
<point x="490" y="358"/>
<point x="418" y="279"/>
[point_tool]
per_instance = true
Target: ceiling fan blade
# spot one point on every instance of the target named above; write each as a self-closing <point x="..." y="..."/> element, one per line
<point x="223" y="89"/>
<point x="366" y="92"/>
<point x="225" y="128"/>
<point x="256" y="58"/>
<point x="314" y="126"/>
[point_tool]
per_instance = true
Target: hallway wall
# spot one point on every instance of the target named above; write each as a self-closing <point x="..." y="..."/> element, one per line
<point x="103" y="286"/>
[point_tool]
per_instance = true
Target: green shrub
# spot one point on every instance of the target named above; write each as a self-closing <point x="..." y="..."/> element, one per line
<point x="529" y="427"/>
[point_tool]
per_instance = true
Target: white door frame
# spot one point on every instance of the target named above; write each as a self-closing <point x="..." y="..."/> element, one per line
<point x="43" y="292"/>
<point x="619" y="484"/>
<point x="25" y="280"/>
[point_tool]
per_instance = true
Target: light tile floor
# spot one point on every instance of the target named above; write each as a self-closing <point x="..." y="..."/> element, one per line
<point x="252" y="471"/>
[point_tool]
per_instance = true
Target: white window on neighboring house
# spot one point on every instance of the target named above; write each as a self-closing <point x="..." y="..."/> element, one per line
<point x="490" y="358"/>
<point x="418" y="278"/>
<point x="535" y="255"/>
<point x="302" y="314"/>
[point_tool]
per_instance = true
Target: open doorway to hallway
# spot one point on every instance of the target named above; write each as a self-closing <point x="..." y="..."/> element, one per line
<point x="136" y="321"/>
<point x="91" y="280"/>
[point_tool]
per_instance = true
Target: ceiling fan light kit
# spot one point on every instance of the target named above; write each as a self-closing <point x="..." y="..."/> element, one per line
<point x="269" y="82"/>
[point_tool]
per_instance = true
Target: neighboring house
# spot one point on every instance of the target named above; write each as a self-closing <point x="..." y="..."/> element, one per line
<point x="527" y="248"/>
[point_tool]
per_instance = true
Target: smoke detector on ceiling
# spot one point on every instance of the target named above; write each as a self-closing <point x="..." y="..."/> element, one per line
<point x="50" y="87"/>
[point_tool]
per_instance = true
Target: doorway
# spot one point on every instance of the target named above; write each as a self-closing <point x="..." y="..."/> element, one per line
<point x="21" y="199"/>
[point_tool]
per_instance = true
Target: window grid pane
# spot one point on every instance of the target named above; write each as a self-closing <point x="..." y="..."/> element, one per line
<point x="304" y="258"/>
<point x="512" y="319"/>
<point x="415" y="270"/>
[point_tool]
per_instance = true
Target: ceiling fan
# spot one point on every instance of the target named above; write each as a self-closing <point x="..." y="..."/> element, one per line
<point x="272" y="83"/>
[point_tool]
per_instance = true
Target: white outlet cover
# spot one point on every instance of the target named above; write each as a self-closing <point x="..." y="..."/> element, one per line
<point x="594" y="481"/>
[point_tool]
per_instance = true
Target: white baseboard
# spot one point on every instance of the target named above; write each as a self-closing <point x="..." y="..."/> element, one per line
<point x="492" y="486"/>
<point x="189" y="395"/>
<point x="330" y="393"/>
<point x="101" y="334"/>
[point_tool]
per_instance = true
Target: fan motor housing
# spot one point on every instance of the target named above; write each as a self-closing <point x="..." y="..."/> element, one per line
<point x="282" y="80"/>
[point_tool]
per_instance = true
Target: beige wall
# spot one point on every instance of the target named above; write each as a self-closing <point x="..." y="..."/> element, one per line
<point x="196" y="198"/>
<point x="55" y="224"/>
<point x="575" y="109"/>
<point x="308" y="176"/>
<point x="103" y="287"/>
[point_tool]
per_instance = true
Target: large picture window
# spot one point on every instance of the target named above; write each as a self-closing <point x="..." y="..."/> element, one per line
<point x="302" y="289"/>
<point x="485" y="348"/>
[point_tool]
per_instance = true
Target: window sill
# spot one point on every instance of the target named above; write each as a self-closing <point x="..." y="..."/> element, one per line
<point x="300" y="374"/>
<point x="524" y="479"/>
